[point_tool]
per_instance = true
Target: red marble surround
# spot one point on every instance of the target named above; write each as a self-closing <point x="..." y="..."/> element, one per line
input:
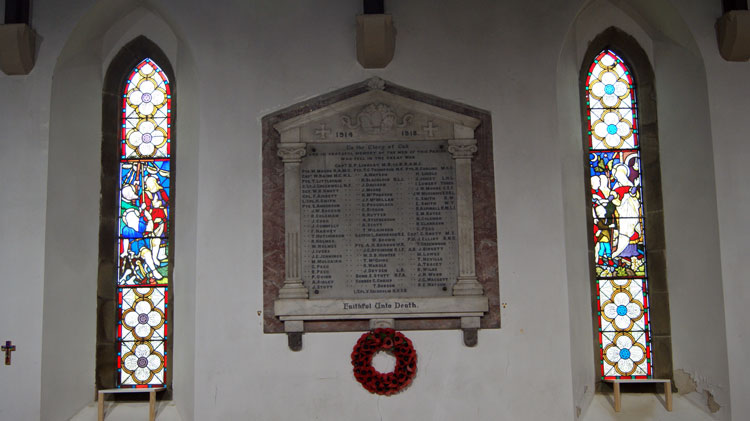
<point x="485" y="227"/>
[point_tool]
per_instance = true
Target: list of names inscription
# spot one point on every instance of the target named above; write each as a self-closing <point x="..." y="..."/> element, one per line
<point x="378" y="220"/>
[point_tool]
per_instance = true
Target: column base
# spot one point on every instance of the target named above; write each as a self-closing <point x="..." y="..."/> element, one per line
<point x="293" y="290"/>
<point x="467" y="286"/>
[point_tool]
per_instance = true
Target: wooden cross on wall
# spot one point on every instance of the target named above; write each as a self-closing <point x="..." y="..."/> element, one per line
<point x="8" y="348"/>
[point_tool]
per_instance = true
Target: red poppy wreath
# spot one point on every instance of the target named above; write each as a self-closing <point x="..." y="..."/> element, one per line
<point x="394" y="343"/>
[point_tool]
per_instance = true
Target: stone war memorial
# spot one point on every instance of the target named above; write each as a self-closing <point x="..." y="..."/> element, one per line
<point x="388" y="215"/>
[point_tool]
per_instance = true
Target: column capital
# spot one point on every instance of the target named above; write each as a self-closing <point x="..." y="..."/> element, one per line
<point x="292" y="152"/>
<point x="462" y="148"/>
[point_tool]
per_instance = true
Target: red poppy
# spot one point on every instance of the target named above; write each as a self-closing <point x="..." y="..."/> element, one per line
<point x="387" y="343"/>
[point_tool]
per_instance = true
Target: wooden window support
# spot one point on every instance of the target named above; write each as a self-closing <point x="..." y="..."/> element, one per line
<point x="667" y="390"/>
<point x="151" y="399"/>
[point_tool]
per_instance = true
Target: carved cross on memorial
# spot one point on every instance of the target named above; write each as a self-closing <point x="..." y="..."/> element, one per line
<point x="8" y="348"/>
<point x="323" y="132"/>
<point x="430" y="129"/>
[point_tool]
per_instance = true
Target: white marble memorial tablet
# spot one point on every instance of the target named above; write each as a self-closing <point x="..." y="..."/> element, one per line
<point x="378" y="220"/>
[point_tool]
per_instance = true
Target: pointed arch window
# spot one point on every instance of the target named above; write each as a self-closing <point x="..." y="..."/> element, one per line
<point x="137" y="225"/>
<point x="143" y="241"/>
<point x="617" y="219"/>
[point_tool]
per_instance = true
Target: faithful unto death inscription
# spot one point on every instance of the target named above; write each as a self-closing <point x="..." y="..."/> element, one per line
<point x="379" y="220"/>
<point x="378" y="216"/>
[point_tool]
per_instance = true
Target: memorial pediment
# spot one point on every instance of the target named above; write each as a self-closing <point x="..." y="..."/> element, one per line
<point x="377" y="116"/>
<point x="379" y="215"/>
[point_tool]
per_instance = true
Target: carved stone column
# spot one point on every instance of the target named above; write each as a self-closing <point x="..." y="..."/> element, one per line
<point x="462" y="151"/>
<point x="291" y="154"/>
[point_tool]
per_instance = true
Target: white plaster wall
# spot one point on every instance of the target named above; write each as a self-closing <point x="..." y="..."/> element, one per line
<point x="693" y="260"/>
<point x="24" y="132"/>
<point x="583" y="374"/>
<point x="728" y="100"/>
<point x="645" y="407"/>
<point x="236" y="62"/>
<point x="183" y="297"/>
<point x="71" y="240"/>
<point x="22" y="189"/>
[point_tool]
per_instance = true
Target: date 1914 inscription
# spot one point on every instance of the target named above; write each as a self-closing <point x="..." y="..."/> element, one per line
<point x="378" y="220"/>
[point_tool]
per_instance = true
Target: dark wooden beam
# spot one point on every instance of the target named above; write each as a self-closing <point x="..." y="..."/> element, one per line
<point x="374" y="7"/>
<point x="729" y="5"/>
<point x="17" y="11"/>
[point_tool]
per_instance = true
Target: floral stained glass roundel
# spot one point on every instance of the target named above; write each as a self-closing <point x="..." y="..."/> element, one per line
<point x="143" y="228"/>
<point x="618" y="221"/>
<point x="611" y="104"/>
<point x="146" y="113"/>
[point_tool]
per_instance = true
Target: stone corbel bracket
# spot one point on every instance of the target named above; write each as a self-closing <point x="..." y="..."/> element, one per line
<point x="17" y="48"/>
<point x="379" y="116"/>
<point x="376" y="40"/>
<point x="733" y="35"/>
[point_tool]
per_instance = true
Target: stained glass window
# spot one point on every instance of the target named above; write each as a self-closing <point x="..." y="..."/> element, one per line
<point x="144" y="174"/>
<point x="618" y="221"/>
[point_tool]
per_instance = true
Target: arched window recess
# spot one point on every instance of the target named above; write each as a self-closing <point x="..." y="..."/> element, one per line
<point x="628" y="270"/>
<point x="137" y="224"/>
